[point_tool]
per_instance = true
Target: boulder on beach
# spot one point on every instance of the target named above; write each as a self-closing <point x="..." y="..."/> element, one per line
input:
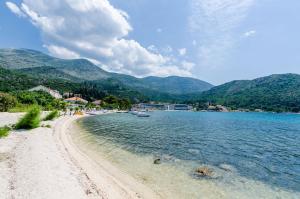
<point x="157" y="161"/>
<point x="204" y="171"/>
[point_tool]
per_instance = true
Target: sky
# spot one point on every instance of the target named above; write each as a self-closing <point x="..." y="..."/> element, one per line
<point x="212" y="40"/>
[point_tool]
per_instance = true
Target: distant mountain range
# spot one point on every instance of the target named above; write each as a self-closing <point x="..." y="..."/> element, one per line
<point x="23" y="68"/>
<point x="39" y="64"/>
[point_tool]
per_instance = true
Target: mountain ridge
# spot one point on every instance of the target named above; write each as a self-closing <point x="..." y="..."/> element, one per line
<point x="30" y="61"/>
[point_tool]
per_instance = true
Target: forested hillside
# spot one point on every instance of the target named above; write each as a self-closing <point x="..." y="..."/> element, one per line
<point x="272" y="93"/>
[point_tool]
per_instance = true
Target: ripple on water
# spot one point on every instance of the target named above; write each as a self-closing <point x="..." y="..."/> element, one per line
<point x="250" y="154"/>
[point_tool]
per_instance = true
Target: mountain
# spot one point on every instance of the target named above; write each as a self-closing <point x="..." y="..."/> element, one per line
<point x="14" y="80"/>
<point x="172" y="85"/>
<point x="272" y="93"/>
<point x="37" y="63"/>
<point x="31" y="59"/>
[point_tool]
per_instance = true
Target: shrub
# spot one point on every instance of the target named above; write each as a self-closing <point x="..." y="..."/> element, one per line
<point x="21" y="108"/>
<point x="4" y="131"/>
<point x="6" y="102"/>
<point x="31" y="120"/>
<point x="52" y="115"/>
<point x="44" y="100"/>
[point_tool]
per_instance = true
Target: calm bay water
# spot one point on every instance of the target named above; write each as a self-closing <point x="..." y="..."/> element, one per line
<point x="252" y="153"/>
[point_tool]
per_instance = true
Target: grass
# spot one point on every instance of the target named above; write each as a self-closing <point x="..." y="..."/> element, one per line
<point x="20" y="108"/>
<point x="31" y="120"/>
<point x="52" y="115"/>
<point x="4" y="131"/>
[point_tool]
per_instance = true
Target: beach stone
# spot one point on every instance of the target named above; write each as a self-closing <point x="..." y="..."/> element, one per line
<point x="204" y="171"/>
<point x="4" y="156"/>
<point x="157" y="161"/>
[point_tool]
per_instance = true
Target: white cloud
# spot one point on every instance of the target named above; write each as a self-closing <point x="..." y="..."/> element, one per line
<point x="250" y="33"/>
<point x="94" y="29"/>
<point x="212" y="23"/>
<point x="188" y="65"/>
<point x="167" y="50"/>
<point x="61" y="52"/>
<point x="159" y="30"/>
<point x="153" y="48"/>
<point x="15" y="9"/>
<point x="182" y="51"/>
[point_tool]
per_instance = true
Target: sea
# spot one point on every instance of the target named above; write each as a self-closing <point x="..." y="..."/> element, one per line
<point x="249" y="155"/>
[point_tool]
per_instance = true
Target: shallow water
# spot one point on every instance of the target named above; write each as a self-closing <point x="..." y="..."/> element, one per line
<point x="252" y="154"/>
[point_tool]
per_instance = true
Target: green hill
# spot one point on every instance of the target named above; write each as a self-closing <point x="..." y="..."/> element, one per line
<point x="272" y="93"/>
<point x="15" y="80"/>
<point x="42" y="65"/>
<point x="172" y="85"/>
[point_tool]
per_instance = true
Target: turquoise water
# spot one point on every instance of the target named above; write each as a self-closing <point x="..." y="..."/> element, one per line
<point x="262" y="148"/>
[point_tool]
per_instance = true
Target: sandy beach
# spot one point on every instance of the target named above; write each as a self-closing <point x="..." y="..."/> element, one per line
<point x="44" y="163"/>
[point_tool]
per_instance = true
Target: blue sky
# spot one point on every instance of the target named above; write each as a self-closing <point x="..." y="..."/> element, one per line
<point x="213" y="40"/>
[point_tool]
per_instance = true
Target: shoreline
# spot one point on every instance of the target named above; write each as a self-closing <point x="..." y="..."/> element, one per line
<point x="50" y="163"/>
<point x="104" y="178"/>
<point x="45" y="163"/>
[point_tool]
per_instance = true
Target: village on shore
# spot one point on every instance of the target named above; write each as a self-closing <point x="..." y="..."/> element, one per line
<point x="76" y="101"/>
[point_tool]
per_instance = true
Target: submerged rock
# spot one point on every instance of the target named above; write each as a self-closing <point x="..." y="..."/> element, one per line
<point x="157" y="161"/>
<point x="226" y="167"/>
<point x="204" y="171"/>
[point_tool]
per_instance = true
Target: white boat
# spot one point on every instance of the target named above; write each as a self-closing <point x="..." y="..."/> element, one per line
<point x="142" y="114"/>
<point x="134" y="112"/>
<point x="122" y="111"/>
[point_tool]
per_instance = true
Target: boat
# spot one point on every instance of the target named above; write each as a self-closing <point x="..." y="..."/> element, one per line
<point x="122" y="111"/>
<point x="134" y="112"/>
<point x="142" y="114"/>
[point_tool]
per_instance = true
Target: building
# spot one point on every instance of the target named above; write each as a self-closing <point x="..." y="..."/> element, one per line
<point x="53" y="93"/>
<point x="97" y="102"/>
<point x="151" y="106"/>
<point x="76" y="100"/>
<point x="182" y="107"/>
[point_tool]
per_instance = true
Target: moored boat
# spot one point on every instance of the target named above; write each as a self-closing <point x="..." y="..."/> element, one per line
<point x="142" y="114"/>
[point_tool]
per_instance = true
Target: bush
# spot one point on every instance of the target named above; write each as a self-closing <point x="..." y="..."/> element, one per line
<point x="4" y="131"/>
<point x="6" y="102"/>
<point x="31" y="120"/>
<point x="20" y="108"/>
<point x="52" y="115"/>
<point x="44" y="100"/>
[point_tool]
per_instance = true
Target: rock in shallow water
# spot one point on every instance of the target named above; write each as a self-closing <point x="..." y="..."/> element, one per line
<point x="204" y="171"/>
<point x="157" y="161"/>
<point x="226" y="167"/>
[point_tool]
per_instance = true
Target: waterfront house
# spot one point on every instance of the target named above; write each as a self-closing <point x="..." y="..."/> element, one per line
<point x="182" y="107"/>
<point x="147" y="106"/>
<point x="76" y="100"/>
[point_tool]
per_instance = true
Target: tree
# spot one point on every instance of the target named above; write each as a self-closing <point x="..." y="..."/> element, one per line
<point x="6" y="102"/>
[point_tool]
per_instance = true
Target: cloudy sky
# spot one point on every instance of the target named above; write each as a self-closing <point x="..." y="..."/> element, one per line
<point x="213" y="40"/>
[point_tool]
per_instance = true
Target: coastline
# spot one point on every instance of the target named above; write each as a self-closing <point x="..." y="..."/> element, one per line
<point x="45" y="163"/>
<point x="104" y="178"/>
